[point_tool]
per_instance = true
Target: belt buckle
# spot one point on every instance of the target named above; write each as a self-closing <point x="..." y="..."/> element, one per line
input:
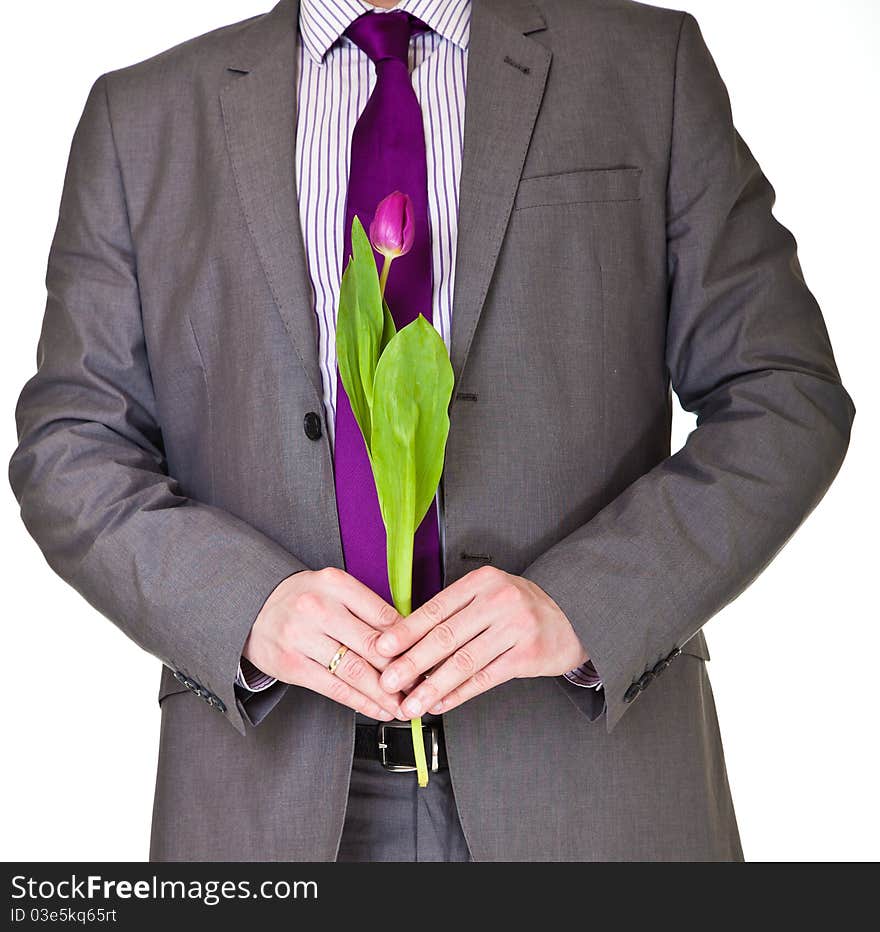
<point x="408" y="768"/>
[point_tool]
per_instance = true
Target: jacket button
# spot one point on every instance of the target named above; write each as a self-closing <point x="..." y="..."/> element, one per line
<point x="312" y="426"/>
<point x="632" y="692"/>
<point x="645" y="680"/>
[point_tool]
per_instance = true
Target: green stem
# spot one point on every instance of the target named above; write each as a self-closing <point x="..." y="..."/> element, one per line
<point x="404" y="606"/>
<point x="419" y="749"/>
<point x="383" y="277"/>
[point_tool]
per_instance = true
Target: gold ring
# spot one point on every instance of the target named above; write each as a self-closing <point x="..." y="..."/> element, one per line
<point x="337" y="657"/>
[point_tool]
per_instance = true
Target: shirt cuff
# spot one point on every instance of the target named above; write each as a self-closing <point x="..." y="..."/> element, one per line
<point x="251" y="678"/>
<point x="585" y="675"/>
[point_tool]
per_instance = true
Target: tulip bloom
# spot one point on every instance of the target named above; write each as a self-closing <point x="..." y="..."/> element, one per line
<point x="393" y="230"/>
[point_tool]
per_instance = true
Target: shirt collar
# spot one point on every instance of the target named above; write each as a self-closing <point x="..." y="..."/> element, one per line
<point x="322" y="22"/>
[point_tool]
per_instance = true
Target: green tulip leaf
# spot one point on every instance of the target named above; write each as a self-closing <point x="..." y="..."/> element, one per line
<point x="360" y="325"/>
<point x="389" y="329"/>
<point x="412" y="390"/>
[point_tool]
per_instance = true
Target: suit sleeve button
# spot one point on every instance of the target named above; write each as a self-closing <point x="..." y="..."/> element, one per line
<point x="312" y="426"/>
<point x="632" y="692"/>
<point x="659" y="667"/>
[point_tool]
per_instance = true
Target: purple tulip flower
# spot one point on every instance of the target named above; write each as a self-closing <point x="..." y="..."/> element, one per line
<point x="393" y="228"/>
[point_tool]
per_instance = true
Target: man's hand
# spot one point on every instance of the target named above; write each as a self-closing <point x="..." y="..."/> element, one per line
<point x="485" y="629"/>
<point x="303" y="623"/>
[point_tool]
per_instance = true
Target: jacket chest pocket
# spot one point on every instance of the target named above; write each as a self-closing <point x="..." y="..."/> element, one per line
<point x="579" y="187"/>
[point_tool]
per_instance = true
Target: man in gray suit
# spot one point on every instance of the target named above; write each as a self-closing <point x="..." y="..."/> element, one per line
<point x="613" y="239"/>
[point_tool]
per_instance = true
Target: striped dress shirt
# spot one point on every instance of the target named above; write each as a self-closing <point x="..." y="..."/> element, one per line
<point x="334" y="81"/>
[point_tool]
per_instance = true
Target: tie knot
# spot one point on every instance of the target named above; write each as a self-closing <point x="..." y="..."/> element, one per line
<point x="385" y="35"/>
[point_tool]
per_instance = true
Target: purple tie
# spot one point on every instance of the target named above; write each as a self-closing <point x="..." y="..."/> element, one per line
<point x="387" y="154"/>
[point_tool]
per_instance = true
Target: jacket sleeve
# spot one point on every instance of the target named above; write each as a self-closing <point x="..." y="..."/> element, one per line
<point x="748" y="352"/>
<point x="182" y="579"/>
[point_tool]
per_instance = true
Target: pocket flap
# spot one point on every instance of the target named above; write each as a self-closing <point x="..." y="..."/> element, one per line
<point x="579" y="187"/>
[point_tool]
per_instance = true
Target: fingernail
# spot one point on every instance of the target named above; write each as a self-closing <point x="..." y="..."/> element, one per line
<point x="390" y="679"/>
<point x="437" y="709"/>
<point x="412" y="707"/>
<point x="386" y="644"/>
<point x="385" y="716"/>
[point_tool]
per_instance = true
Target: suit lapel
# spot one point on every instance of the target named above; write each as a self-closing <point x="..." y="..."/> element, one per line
<point x="506" y="76"/>
<point x="259" y="113"/>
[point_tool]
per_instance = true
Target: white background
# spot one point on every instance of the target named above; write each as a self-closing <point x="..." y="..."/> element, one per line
<point x="795" y="659"/>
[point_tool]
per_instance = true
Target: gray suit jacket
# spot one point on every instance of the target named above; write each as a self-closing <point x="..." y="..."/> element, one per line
<point x="616" y="241"/>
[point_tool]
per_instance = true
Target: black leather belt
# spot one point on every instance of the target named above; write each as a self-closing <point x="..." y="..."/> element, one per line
<point x="390" y="743"/>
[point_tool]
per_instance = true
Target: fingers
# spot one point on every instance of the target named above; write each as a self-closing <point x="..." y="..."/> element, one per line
<point x="320" y="680"/>
<point x="357" y="635"/>
<point x="360" y="600"/>
<point x="304" y="629"/>
<point x="363" y="679"/>
<point x="499" y="671"/>
<point x="407" y="631"/>
<point x="438" y="644"/>
<point x="469" y="662"/>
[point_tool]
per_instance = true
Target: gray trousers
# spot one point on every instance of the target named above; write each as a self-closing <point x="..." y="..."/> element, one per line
<point x="389" y="818"/>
